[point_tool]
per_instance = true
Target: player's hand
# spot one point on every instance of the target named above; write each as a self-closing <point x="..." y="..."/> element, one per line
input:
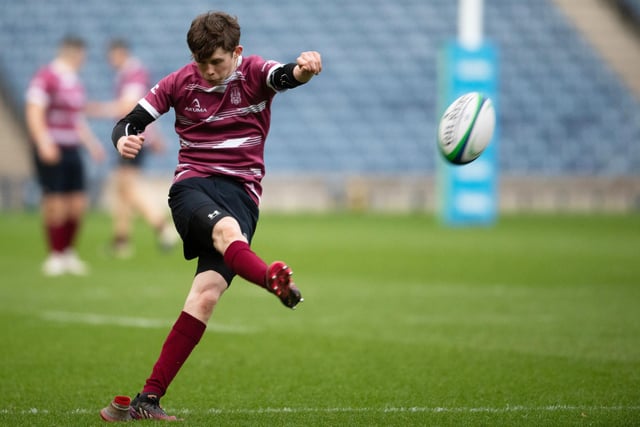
<point x="130" y="146"/>
<point x="49" y="153"/>
<point x="309" y="65"/>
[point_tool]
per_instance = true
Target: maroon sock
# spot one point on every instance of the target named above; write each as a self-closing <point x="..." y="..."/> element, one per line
<point x="245" y="263"/>
<point x="70" y="231"/>
<point x="182" y="339"/>
<point x="56" y="237"/>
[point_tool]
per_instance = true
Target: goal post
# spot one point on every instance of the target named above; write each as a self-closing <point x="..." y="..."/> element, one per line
<point x="467" y="195"/>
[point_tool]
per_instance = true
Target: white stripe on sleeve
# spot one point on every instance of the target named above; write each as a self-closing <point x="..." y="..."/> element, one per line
<point x="150" y="109"/>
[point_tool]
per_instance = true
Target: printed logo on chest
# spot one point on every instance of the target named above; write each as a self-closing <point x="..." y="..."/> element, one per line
<point x="195" y="107"/>
<point x="235" y="95"/>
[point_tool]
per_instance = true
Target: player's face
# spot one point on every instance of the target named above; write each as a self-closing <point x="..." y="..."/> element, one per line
<point x="117" y="57"/>
<point x="74" y="56"/>
<point x="219" y="66"/>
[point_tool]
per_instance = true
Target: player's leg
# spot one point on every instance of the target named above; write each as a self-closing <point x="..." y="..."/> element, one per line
<point x="230" y="216"/>
<point x="131" y="193"/>
<point x="136" y="200"/>
<point x="76" y="206"/>
<point x="121" y="214"/>
<point x="52" y="206"/>
<point x="229" y="240"/>
<point x="206" y="289"/>
<point x="50" y="180"/>
<point x="211" y="279"/>
<point x="221" y="215"/>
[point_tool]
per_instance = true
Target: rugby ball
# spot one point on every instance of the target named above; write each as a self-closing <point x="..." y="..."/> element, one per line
<point x="466" y="128"/>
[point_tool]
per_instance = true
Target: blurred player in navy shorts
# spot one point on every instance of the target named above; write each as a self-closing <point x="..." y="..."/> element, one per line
<point x="55" y="103"/>
<point x="132" y="83"/>
<point x="222" y="104"/>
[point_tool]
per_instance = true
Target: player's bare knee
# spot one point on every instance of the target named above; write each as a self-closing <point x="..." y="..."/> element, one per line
<point x="208" y="299"/>
<point x="226" y="231"/>
<point x="205" y="292"/>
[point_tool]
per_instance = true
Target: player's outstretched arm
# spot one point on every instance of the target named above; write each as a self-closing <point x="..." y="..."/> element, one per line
<point x="90" y="141"/>
<point x="289" y="76"/>
<point x="309" y="64"/>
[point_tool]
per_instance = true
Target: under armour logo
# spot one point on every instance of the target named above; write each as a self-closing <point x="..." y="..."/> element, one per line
<point x="213" y="214"/>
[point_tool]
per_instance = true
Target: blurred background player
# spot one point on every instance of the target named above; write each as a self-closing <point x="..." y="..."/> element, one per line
<point x="132" y="83"/>
<point x="55" y="102"/>
<point x="222" y="104"/>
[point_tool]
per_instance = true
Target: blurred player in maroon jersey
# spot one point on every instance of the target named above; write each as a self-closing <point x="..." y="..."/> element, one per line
<point x="222" y="103"/>
<point x="55" y="102"/>
<point x="132" y="83"/>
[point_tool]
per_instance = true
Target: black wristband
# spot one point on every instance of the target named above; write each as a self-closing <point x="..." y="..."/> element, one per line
<point x="282" y="77"/>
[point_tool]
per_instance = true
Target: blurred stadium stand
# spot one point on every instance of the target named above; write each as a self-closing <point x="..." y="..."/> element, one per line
<point x="564" y="112"/>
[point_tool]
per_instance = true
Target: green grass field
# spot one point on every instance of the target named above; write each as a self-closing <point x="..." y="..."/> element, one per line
<point x="535" y="321"/>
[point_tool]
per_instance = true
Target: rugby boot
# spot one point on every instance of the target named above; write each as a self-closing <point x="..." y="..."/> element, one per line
<point x="147" y="405"/>
<point x="279" y="282"/>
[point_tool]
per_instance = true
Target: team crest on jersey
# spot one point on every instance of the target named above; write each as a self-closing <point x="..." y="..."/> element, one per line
<point x="195" y="107"/>
<point x="235" y="95"/>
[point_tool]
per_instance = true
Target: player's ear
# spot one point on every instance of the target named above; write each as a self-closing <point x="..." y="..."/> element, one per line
<point x="238" y="51"/>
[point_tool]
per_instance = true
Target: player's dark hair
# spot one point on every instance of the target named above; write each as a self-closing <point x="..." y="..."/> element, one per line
<point x="210" y="31"/>
<point x="73" y="41"/>
<point x="119" y="43"/>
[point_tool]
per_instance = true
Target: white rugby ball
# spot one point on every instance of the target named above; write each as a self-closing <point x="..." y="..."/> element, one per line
<point x="466" y="128"/>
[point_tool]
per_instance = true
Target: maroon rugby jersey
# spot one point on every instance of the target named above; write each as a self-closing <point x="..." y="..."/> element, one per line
<point x="59" y="90"/>
<point x="222" y="129"/>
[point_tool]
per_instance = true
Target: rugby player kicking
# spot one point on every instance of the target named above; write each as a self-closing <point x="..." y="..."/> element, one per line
<point x="222" y="104"/>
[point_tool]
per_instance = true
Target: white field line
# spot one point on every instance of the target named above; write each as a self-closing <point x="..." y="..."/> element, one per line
<point x="131" y="322"/>
<point x="418" y="409"/>
<point x="386" y="410"/>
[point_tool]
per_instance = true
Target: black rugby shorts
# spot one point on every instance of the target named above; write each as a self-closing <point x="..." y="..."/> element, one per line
<point x="197" y="204"/>
<point x="66" y="176"/>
